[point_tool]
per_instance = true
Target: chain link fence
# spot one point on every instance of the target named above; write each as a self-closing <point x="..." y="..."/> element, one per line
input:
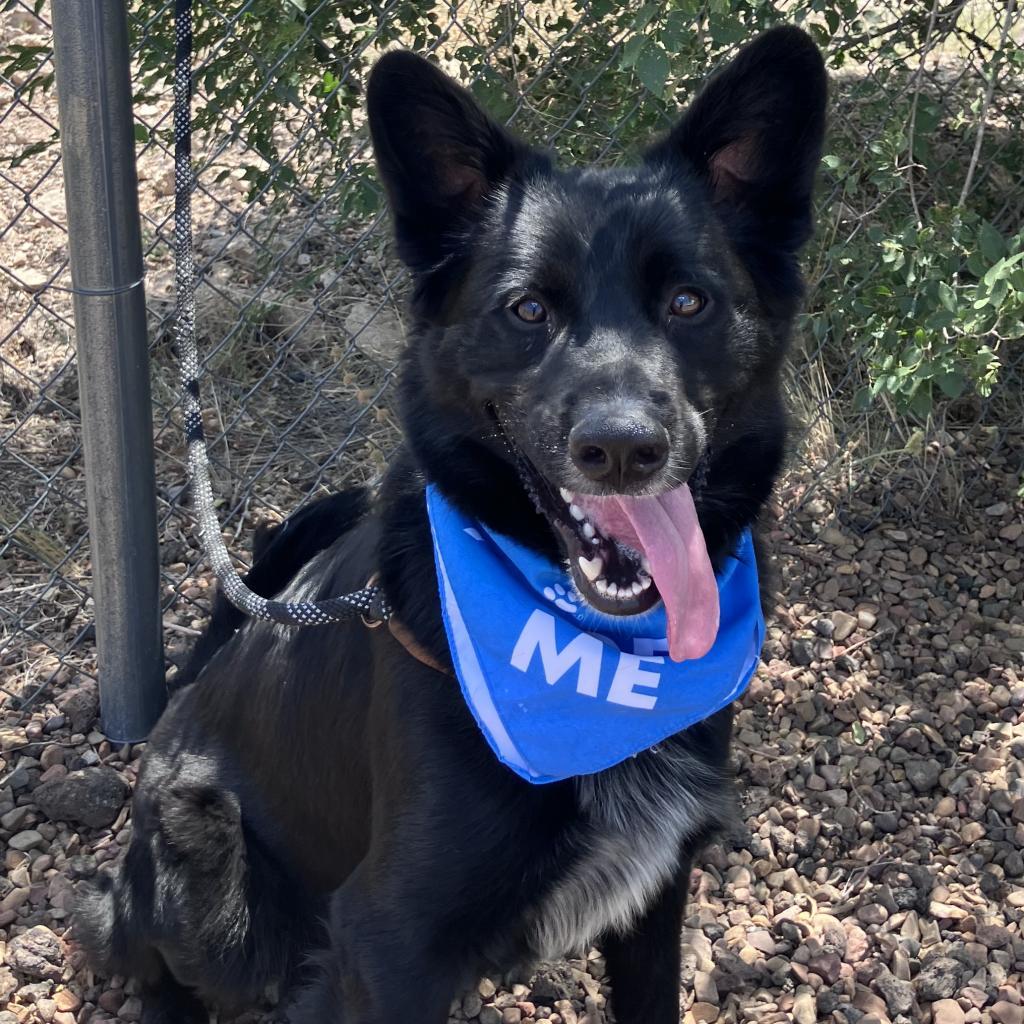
<point x="908" y="365"/>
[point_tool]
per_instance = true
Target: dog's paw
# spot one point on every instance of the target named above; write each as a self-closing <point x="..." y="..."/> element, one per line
<point x="561" y="598"/>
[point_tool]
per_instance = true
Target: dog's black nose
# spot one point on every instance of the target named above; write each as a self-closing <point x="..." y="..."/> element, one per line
<point x="618" y="449"/>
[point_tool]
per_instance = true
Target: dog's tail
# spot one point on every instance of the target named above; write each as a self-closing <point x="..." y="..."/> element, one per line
<point x="279" y="552"/>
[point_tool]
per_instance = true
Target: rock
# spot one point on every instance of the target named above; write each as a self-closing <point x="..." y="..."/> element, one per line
<point x="946" y="911"/>
<point x="36" y="953"/>
<point x="939" y="978"/>
<point x="26" y="840"/>
<point x="731" y="974"/>
<point x="844" y="624"/>
<point x="827" y="966"/>
<point x="704" y="988"/>
<point x="51" y="755"/>
<point x="471" y="1004"/>
<point x="551" y="982"/>
<point x="566" y="1011"/>
<point x="867" y="1002"/>
<point x="486" y="988"/>
<point x="32" y="280"/>
<point x="131" y="1009"/>
<point x="704" y="1012"/>
<point x="762" y="941"/>
<point x="923" y="773"/>
<point x="489" y="1014"/>
<point x="375" y="331"/>
<point x="8" y="984"/>
<point x="67" y="1001"/>
<point x="866" y="618"/>
<point x="898" y="995"/>
<point x="14" y="899"/>
<point x="802" y="650"/>
<point x="111" y="999"/>
<point x="805" y="1007"/>
<point x="16" y="820"/>
<point x="872" y="913"/>
<point x="887" y="822"/>
<point x="511" y="1015"/>
<point x="857" y="943"/>
<point x="1005" y="1012"/>
<point x="81" y="706"/>
<point x="91" y="796"/>
<point x="994" y="936"/>
<point x="947" y="1011"/>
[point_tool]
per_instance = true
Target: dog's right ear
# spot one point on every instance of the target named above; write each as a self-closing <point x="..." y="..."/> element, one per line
<point x="438" y="154"/>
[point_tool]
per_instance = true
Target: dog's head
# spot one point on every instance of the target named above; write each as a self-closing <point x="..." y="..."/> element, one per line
<point x="601" y="333"/>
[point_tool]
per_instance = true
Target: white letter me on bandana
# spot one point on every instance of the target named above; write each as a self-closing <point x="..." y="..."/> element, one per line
<point x="559" y="689"/>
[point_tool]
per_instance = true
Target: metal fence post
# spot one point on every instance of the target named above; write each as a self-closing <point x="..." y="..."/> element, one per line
<point x="92" y="63"/>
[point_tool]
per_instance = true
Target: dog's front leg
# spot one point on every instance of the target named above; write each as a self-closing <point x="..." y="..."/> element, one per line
<point x="644" y="964"/>
<point x="385" y="964"/>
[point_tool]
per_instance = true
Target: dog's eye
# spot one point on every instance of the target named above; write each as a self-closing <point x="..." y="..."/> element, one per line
<point x="530" y="311"/>
<point x="686" y="302"/>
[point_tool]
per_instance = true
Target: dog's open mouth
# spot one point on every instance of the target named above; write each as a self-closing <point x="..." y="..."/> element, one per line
<point x="627" y="553"/>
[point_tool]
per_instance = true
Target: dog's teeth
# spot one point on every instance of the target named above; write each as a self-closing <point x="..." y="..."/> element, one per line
<point x="591" y="567"/>
<point x="637" y="588"/>
<point x="566" y="495"/>
<point x="588" y="531"/>
<point x="601" y="586"/>
<point x="577" y="513"/>
<point x="645" y="582"/>
<point x="613" y="590"/>
<point x="645" y="564"/>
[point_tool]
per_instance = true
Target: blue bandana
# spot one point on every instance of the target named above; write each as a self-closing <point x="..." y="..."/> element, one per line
<point x="559" y="689"/>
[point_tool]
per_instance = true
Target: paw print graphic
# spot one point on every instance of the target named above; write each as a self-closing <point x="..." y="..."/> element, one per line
<point x="561" y="598"/>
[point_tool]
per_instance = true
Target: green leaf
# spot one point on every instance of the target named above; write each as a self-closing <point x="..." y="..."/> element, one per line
<point x="991" y="242"/>
<point x="652" y="68"/>
<point x="947" y="296"/>
<point x="921" y="401"/>
<point x="631" y="50"/>
<point x="1000" y="270"/>
<point x="951" y="384"/>
<point x="862" y="400"/>
<point x="141" y="133"/>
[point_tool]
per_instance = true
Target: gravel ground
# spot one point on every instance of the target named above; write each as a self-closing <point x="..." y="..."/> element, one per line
<point x="877" y="874"/>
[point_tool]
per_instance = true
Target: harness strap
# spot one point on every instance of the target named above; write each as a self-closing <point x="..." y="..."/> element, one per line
<point x="401" y="632"/>
<point x="404" y="636"/>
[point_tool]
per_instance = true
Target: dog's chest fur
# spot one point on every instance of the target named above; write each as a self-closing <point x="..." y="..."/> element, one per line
<point x="636" y="817"/>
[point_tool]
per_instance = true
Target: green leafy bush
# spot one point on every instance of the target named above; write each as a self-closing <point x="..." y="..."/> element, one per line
<point x="918" y="268"/>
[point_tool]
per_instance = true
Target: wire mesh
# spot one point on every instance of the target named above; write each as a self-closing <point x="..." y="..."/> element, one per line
<point x="300" y="302"/>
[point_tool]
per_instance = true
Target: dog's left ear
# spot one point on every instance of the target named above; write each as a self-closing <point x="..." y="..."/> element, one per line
<point x="755" y="133"/>
<point x="438" y="154"/>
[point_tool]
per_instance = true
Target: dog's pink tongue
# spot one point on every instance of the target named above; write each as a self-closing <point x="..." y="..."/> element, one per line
<point x="671" y="538"/>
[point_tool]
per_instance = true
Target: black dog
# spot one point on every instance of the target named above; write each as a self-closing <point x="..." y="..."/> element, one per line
<point x="321" y="801"/>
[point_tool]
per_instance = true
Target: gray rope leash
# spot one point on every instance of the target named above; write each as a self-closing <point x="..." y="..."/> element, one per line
<point x="369" y="602"/>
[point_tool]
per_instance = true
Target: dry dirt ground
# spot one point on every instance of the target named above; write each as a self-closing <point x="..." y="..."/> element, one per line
<point x="876" y="872"/>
